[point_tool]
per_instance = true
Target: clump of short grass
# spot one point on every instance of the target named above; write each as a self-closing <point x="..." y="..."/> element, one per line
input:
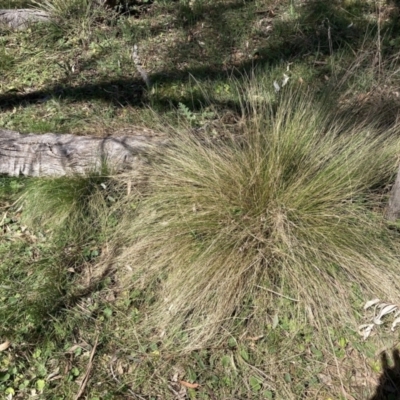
<point x="289" y="208"/>
<point x="79" y="204"/>
<point x="65" y="9"/>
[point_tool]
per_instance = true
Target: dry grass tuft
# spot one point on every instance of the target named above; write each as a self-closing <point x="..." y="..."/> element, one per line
<point x="292" y="208"/>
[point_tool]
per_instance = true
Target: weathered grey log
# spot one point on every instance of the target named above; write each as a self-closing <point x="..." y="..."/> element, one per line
<point x="22" y="18"/>
<point x="53" y="154"/>
<point x="393" y="210"/>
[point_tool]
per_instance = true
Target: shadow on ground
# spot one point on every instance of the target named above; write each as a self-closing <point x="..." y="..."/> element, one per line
<point x="389" y="381"/>
<point x="314" y="31"/>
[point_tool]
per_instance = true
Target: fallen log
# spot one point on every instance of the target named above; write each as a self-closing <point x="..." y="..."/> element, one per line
<point x="21" y="18"/>
<point x="52" y="154"/>
<point x="393" y="210"/>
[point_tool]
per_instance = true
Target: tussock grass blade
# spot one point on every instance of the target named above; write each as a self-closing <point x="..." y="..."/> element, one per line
<point x="291" y="205"/>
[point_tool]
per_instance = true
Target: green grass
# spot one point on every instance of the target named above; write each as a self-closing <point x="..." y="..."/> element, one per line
<point x="242" y="260"/>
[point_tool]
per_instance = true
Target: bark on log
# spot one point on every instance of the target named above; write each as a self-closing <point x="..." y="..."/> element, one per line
<point x="393" y="211"/>
<point x="22" y="18"/>
<point x="53" y="154"/>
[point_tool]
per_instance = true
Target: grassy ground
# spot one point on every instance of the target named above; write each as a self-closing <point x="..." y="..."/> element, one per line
<point x="266" y="239"/>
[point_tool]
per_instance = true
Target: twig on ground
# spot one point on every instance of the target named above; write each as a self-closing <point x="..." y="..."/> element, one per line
<point x="88" y="370"/>
<point x="11" y="205"/>
<point x="4" y="218"/>
<point x="278" y="294"/>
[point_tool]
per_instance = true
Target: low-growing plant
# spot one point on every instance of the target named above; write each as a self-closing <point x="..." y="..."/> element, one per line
<point x="65" y="9"/>
<point x="79" y="204"/>
<point x="64" y="223"/>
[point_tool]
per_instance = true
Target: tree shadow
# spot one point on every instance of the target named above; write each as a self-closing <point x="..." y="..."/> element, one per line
<point x="389" y="381"/>
<point x="316" y="30"/>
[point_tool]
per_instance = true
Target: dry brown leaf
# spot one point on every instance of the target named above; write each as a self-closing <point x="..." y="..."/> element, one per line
<point x="5" y="345"/>
<point x="120" y="369"/>
<point x="54" y="378"/>
<point x="189" y="385"/>
<point x="325" y="379"/>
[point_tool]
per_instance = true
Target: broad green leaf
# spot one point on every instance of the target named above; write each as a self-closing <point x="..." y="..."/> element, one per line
<point x="244" y="354"/>
<point x="40" y="384"/>
<point x="287" y="377"/>
<point x="255" y="384"/>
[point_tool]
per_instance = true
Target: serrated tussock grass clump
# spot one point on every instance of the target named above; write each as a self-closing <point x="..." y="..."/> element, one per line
<point x="291" y="207"/>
